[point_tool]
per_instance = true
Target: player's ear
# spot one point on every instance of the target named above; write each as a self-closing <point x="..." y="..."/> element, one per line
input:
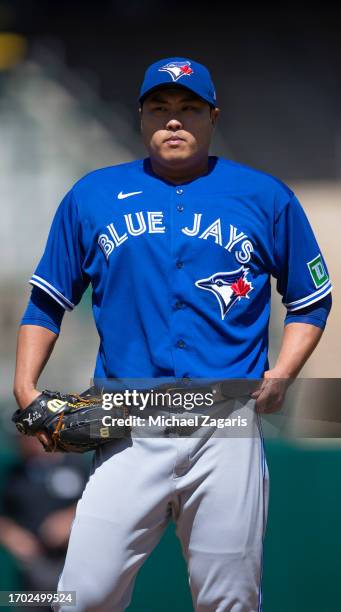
<point x="140" y="114"/>
<point x="214" y="112"/>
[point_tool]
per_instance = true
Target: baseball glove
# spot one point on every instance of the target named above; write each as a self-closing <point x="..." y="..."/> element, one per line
<point x="70" y="422"/>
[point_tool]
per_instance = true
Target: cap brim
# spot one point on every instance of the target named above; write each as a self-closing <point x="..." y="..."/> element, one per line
<point x="172" y="86"/>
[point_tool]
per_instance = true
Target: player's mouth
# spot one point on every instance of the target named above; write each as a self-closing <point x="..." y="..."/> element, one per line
<point x="174" y="140"/>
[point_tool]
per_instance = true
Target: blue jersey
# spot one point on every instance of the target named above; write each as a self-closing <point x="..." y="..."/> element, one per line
<point x="180" y="274"/>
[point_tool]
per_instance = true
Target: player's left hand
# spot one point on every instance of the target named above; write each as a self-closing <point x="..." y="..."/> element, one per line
<point x="271" y="393"/>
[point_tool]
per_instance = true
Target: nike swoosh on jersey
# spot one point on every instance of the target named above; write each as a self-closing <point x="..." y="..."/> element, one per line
<point x="122" y="196"/>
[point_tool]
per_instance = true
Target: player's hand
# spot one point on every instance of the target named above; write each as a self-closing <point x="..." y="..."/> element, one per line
<point x="271" y="393"/>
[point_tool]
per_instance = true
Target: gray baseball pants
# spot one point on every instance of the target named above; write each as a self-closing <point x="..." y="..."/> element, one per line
<point x="213" y="485"/>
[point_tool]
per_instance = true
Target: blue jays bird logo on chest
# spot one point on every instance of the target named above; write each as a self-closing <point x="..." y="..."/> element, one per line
<point x="228" y="287"/>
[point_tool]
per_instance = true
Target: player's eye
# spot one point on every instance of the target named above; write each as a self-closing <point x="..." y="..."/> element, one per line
<point x="190" y="107"/>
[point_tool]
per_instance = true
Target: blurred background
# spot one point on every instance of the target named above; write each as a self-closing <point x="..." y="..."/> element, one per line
<point x="69" y="78"/>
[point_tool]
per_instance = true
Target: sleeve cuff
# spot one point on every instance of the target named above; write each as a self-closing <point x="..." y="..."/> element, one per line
<point x="38" y="281"/>
<point x="305" y="319"/>
<point x="310" y="299"/>
<point x="41" y="323"/>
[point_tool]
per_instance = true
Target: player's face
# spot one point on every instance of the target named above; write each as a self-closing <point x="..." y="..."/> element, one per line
<point x="177" y="126"/>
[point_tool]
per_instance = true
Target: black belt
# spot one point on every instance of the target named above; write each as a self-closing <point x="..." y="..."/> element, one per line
<point x="220" y="391"/>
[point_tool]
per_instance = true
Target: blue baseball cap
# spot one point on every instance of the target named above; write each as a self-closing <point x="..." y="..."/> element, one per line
<point x="181" y="72"/>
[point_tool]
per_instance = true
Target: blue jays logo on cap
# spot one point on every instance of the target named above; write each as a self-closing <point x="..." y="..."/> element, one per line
<point x="180" y="72"/>
<point x="228" y="287"/>
<point x="177" y="69"/>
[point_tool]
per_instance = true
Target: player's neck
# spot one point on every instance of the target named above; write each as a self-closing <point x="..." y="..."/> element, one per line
<point x="179" y="175"/>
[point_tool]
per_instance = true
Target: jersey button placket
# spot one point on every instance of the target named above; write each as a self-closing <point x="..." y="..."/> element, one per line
<point x="178" y="303"/>
<point x="179" y="191"/>
<point x="179" y="207"/>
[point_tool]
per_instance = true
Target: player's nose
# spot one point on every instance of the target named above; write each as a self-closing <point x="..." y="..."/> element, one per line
<point x="174" y="124"/>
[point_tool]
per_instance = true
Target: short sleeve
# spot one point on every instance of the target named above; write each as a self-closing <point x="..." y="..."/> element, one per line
<point x="300" y="269"/>
<point x="59" y="272"/>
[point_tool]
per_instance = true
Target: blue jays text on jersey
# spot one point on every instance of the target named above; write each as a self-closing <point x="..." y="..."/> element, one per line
<point x="180" y="274"/>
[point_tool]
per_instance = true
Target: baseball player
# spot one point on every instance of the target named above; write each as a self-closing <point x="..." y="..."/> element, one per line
<point x="179" y="249"/>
